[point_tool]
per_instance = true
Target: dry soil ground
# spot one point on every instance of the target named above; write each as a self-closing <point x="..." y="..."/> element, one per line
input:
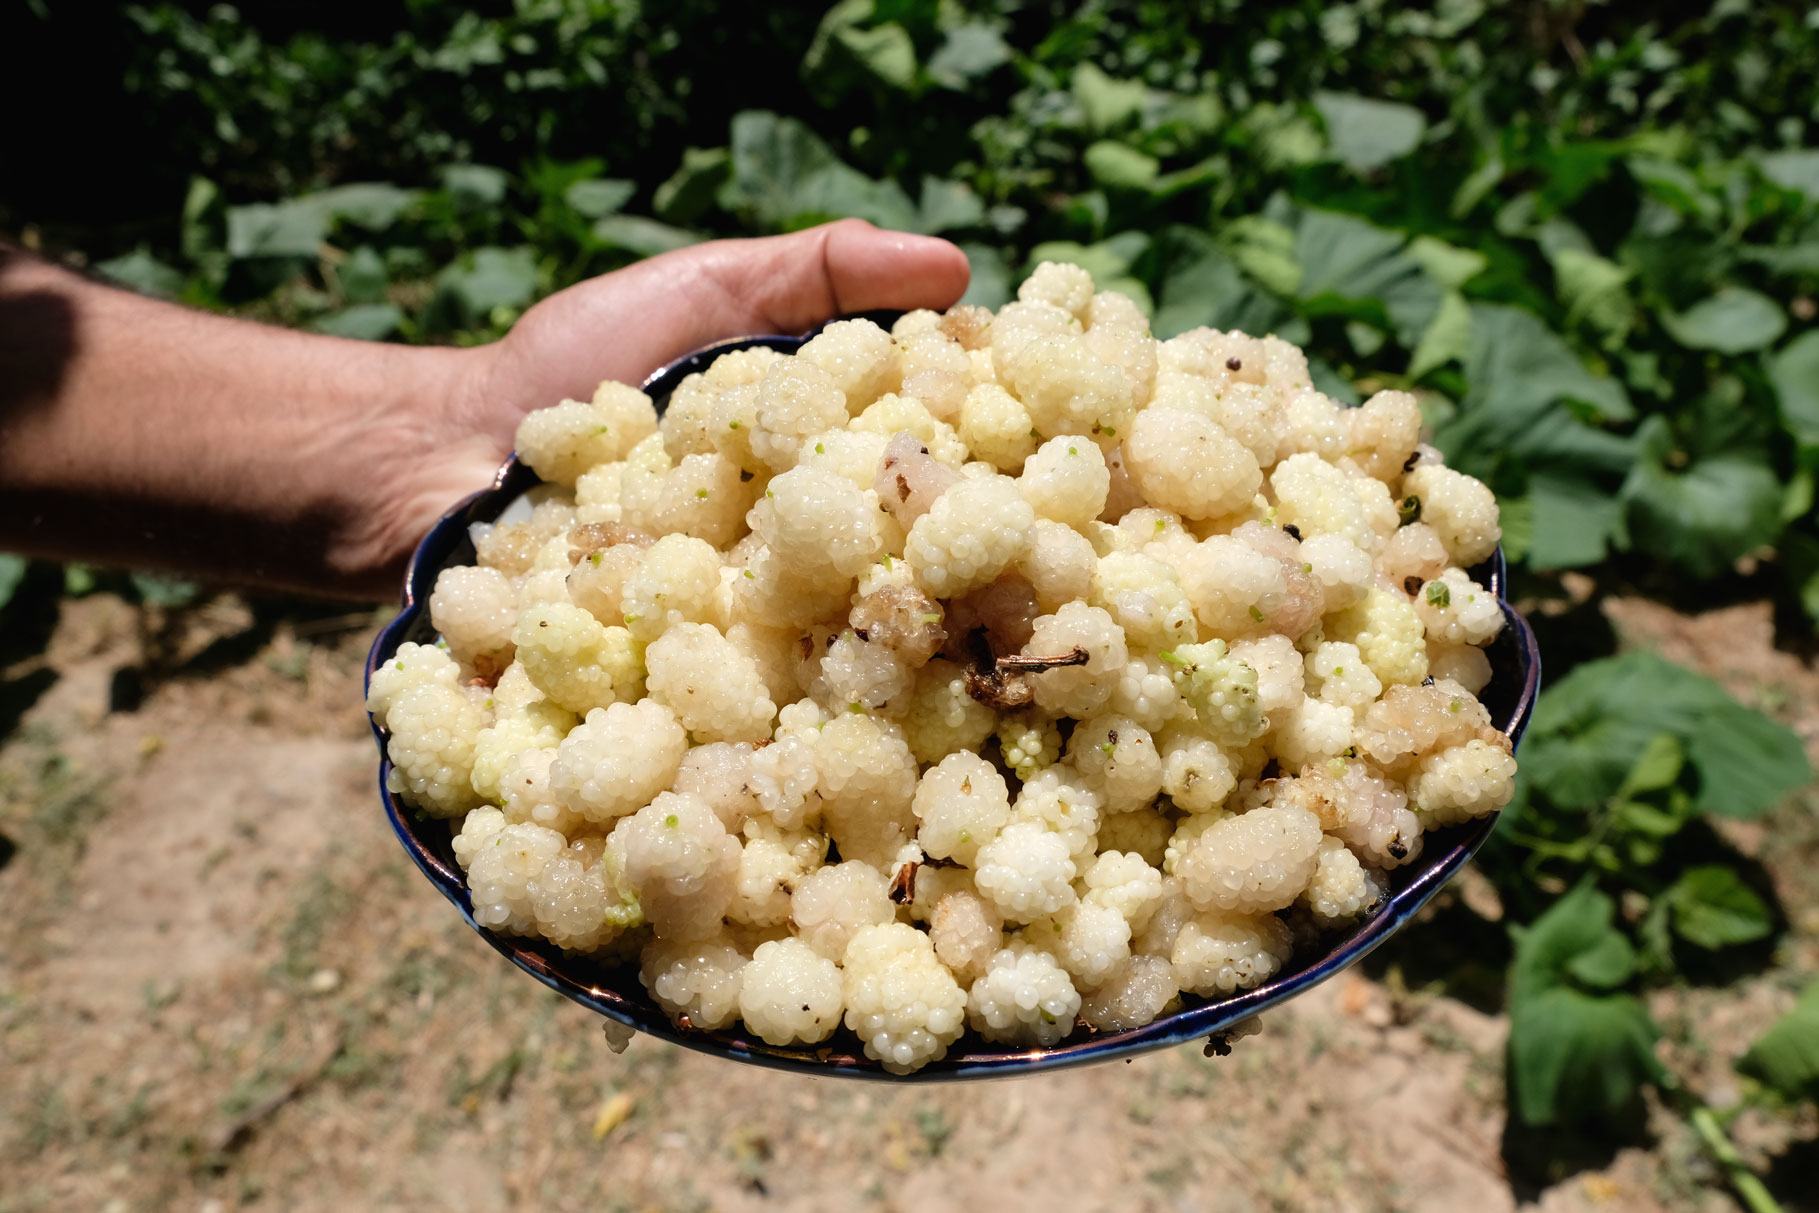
<point x="223" y="986"/>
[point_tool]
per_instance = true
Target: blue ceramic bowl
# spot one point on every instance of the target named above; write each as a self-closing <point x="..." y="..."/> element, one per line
<point x="617" y="994"/>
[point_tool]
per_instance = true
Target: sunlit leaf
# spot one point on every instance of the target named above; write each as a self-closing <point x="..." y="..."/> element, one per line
<point x="1733" y="320"/>
<point x="1366" y="134"/>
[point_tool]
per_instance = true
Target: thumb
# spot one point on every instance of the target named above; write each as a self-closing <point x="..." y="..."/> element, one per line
<point x="628" y="323"/>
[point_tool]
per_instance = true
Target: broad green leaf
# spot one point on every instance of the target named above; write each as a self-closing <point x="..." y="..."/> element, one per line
<point x="1106" y="103"/>
<point x="1265" y="250"/>
<point x="1448" y="336"/>
<point x="947" y="205"/>
<point x="1657" y="768"/>
<point x="885" y="51"/>
<point x="373" y="205"/>
<point x="991" y="284"/>
<point x="1575" y="1057"/>
<point x="363" y="276"/>
<point x="1330" y="382"/>
<point x="690" y="191"/>
<point x="1591" y="728"/>
<point x="1704" y="515"/>
<point x="1475" y="187"/>
<point x="599" y="197"/>
<point x="1606" y="965"/>
<point x="1747" y="762"/>
<point x="1516" y="371"/>
<point x="1447" y="264"/>
<point x="969" y="52"/>
<point x="1200" y="284"/>
<point x="787" y="177"/>
<point x="143" y="273"/>
<point x="12" y="572"/>
<point x="1794" y="370"/>
<point x="286" y="229"/>
<point x="364" y="321"/>
<point x="1792" y="170"/>
<point x="1107" y="261"/>
<point x="475" y="186"/>
<point x="1790" y="259"/>
<point x="1353" y="268"/>
<point x="1594" y="292"/>
<point x="1366" y="134"/>
<point x="1576" y="925"/>
<point x="1733" y="320"/>
<point x="1364" y="339"/>
<point x="1119" y="166"/>
<point x="491" y="277"/>
<point x="1676" y="186"/>
<point x="646" y="237"/>
<point x="1573" y="521"/>
<point x="1786" y="1057"/>
<point x="1714" y="909"/>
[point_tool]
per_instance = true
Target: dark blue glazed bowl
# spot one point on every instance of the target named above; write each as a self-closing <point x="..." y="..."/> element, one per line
<point x="618" y="994"/>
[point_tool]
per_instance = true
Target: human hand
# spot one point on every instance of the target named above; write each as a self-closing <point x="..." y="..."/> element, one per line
<point x="625" y="325"/>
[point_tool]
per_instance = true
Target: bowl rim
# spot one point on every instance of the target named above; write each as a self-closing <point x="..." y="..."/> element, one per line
<point x="568" y="977"/>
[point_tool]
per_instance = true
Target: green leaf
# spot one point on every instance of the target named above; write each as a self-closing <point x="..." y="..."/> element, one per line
<point x="1573" y="521"/>
<point x="363" y="321"/>
<point x="597" y="198"/>
<point x="491" y="277"/>
<point x="201" y="230"/>
<point x="969" y="52"/>
<point x="1447" y="264"/>
<point x="1118" y="166"/>
<point x="285" y="229"/>
<point x="12" y="572"/>
<point x="1575" y="1057"/>
<point x="1576" y="925"/>
<point x="475" y="186"/>
<point x="885" y="51"/>
<point x="1365" y="134"/>
<point x="1108" y="261"/>
<point x="1265" y="250"/>
<point x="1516" y="372"/>
<point x="374" y="205"/>
<point x="1714" y="909"/>
<point x="1594" y="292"/>
<point x="1704" y="515"/>
<point x="1606" y="965"/>
<point x="690" y="191"/>
<point x="1593" y="726"/>
<point x="1200" y="284"/>
<point x="1792" y="170"/>
<point x="1657" y="768"/>
<point x="156" y="589"/>
<point x="645" y="237"/>
<point x="1106" y="103"/>
<point x="363" y="276"/>
<point x="1733" y="320"/>
<point x="1353" y="268"/>
<point x="1448" y="336"/>
<point x="1786" y="1057"/>
<point x="991" y="284"/>
<point x="948" y="205"/>
<point x="144" y="273"/>
<point x="787" y="177"/>
<point x="1794" y="370"/>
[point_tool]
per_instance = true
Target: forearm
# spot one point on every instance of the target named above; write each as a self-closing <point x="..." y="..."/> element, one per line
<point x="142" y="433"/>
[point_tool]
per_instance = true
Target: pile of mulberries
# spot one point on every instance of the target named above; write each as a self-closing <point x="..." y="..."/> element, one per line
<point x="1017" y="673"/>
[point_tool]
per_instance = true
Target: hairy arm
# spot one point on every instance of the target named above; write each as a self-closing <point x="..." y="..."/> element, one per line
<point x="142" y="433"/>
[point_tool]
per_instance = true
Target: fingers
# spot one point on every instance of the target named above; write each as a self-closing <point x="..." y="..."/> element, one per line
<point x="626" y="324"/>
<point x="791" y="283"/>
